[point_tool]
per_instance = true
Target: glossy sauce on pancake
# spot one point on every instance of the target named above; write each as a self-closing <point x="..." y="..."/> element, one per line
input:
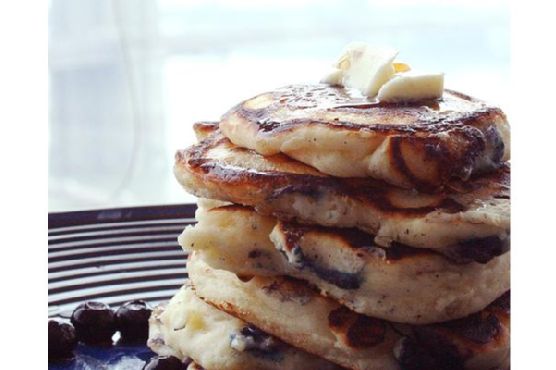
<point x="421" y="145"/>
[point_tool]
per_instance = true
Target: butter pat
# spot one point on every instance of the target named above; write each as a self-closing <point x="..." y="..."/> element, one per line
<point x="333" y="77"/>
<point x="412" y="87"/>
<point x="362" y="67"/>
<point x="375" y="74"/>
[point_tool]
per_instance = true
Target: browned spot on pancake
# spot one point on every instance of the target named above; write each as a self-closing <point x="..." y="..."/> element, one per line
<point x="224" y="306"/>
<point x="255" y="253"/>
<point x="261" y="188"/>
<point x="245" y="278"/>
<point x="451" y="159"/>
<point x="207" y="126"/>
<point x="480" y="250"/>
<point x="424" y="116"/>
<point x="448" y="345"/>
<point x="204" y="129"/>
<point x="372" y="194"/>
<point x="231" y="208"/>
<point x="289" y="289"/>
<point x="355" y="330"/>
<point x="354" y="238"/>
<point x="397" y="159"/>
<point x="450" y="133"/>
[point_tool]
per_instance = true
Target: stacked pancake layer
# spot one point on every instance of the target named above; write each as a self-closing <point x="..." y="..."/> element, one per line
<point x="189" y="327"/>
<point x="335" y="232"/>
<point x="294" y="312"/>
<point x="400" y="284"/>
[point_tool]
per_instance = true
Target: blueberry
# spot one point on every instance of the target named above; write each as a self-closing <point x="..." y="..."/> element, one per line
<point x="165" y="363"/>
<point x="132" y="320"/>
<point x="61" y="340"/>
<point x="94" y="323"/>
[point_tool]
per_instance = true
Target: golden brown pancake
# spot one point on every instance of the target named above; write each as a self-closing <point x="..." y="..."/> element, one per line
<point x="190" y="329"/>
<point x="291" y="311"/>
<point x="422" y="145"/>
<point x="399" y="284"/>
<point x="463" y="213"/>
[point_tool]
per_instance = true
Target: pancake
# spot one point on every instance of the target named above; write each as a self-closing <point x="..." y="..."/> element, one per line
<point x="189" y="328"/>
<point x="397" y="284"/>
<point x="291" y="311"/>
<point x="465" y="213"/>
<point x="421" y="145"/>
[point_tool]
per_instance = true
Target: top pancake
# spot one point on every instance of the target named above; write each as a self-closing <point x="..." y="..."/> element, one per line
<point x="419" y="145"/>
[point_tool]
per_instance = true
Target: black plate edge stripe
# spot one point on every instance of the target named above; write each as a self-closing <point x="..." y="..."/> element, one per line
<point x="153" y="244"/>
<point x="53" y="240"/>
<point x="104" y="272"/>
<point x="115" y="241"/>
<point x="145" y="285"/>
<point x="150" y="300"/>
<point x="113" y="252"/>
<point x="94" y="263"/>
<point x="115" y="293"/>
<point x="60" y="231"/>
<point x="115" y="282"/>
<point x="114" y="278"/>
<point x="120" y="266"/>
<point x="122" y="249"/>
<point x="56" y="253"/>
<point x="60" y="219"/>
<point x="166" y="242"/>
<point x="153" y="255"/>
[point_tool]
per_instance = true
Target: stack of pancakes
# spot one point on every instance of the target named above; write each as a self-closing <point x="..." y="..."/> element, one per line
<point x="338" y="232"/>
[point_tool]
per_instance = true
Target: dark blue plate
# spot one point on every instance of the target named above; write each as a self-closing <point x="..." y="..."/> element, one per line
<point x="113" y="256"/>
<point x="116" y="357"/>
